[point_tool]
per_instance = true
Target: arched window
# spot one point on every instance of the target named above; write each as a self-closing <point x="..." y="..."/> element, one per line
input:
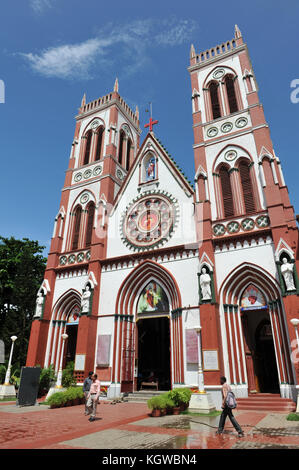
<point x="216" y="112"/>
<point x="227" y="195"/>
<point x="76" y="231"/>
<point x="247" y="187"/>
<point x="121" y="145"/>
<point x="231" y="94"/>
<point x="88" y="147"/>
<point x="129" y="146"/>
<point x="99" y="143"/>
<point x="89" y="225"/>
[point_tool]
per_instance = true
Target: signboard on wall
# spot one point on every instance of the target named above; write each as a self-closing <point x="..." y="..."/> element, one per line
<point x="103" y="353"/>
<point x="210" y="359"/>
<point x="191" y="346"/>
<point x="80" y="362"/>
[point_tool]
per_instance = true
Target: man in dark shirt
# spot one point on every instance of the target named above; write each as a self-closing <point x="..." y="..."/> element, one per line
<point x="86" y="387"/>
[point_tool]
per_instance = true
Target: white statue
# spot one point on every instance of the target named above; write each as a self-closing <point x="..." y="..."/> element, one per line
<point x="85" y="300"/>
<point x="287" y="272"/>
<point x="39" y="305"/>
<point x="205" y="285"/>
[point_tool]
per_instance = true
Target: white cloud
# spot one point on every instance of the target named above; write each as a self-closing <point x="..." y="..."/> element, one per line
<point x="40" y="5"/>
<point x="127" y="45"/>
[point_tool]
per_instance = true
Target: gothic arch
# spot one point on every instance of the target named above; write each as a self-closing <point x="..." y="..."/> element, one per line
<point x="230" y="293"/>
<point x="143" y="273"/>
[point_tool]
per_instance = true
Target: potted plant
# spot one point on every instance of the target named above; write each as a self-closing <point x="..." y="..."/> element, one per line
<point x="176" y="397"/>
<point x="57" y="400"/>
<point x="185" y="394"/>
<point x="156" y="405"/>
<point x="169" y="405"/>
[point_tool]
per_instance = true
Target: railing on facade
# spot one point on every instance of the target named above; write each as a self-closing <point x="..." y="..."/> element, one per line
<point x="215" y="51"/>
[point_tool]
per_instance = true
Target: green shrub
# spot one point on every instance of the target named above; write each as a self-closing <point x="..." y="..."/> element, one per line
<point x="68" y="379"/>
<point x="2" y="373"/>
<point x="46" y="378"/>
<point x="58" y="398"/>
<point x="176" y="396"/>
<point x="293" y="417"/>
<point x="157" y="403"/>
<point x="185" y="394"/>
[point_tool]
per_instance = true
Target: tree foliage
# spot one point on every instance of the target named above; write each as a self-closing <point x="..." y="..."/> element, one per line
<point x="22" y="267"/>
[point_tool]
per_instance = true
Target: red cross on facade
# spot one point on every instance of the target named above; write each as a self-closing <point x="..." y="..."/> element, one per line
<point x="151" y="123"/>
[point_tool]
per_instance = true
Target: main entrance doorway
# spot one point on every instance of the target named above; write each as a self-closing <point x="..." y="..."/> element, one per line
<point x="154" y="351"/>
<point x="260" y="353"/>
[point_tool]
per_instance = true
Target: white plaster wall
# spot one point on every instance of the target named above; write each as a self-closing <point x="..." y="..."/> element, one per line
<point x="202" y="74"/>
<point x="62" y="285"/>
<point x="227" y="261"/>
<point x="185" y="231"/>
<point x="184" y="271"/>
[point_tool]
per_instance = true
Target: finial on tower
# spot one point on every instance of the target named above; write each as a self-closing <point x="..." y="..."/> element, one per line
<point x="83" y="102"/>
<point x="238" y="33"/>
<point x="137" y="112"/>
<point x="116" y="85"/>
<point x="192" y="52"/>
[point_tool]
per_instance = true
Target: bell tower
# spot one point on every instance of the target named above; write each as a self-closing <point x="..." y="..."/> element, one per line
<point x="105" y="144"/>
<point x="244" y="208"/>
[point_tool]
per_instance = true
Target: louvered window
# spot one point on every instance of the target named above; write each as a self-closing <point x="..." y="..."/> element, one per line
<point x="87" y="148"/>
<point x="90" y="217"/>
<point x="247" y="187"/>
<point x="121" y="144"/>
<point x="215" y="100"/>
<point x="227" y="194"/>
<point x="99" y="143"/>
<point x="129" y="144"/>
<point x="76" y="232"/>
<point x="231" y="94"/>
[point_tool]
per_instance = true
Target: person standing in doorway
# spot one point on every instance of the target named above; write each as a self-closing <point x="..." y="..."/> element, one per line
<point x="227" y="411"/>
<point x="93" y="396"/>
<point x="86" y="387"/>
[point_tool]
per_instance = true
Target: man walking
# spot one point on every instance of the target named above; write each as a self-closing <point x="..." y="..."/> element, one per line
<point x="86" y="387"/>
<point x="92" y="398"/>
<point x="227" y="411"/>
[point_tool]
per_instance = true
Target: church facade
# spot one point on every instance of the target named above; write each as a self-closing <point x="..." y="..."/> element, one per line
<point x="144" y="266"/>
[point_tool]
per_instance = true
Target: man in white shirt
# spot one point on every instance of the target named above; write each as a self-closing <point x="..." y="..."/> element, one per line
<point x="93" y="396"/>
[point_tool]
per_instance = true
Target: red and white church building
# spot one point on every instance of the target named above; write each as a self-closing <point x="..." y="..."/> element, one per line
<point x="140" y="258"/>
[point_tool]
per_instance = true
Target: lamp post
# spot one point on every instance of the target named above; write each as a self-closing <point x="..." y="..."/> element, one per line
<point x="295" y="323"/>
<point x="200" y="401"/>
<point x="201" y="385"/>
<point x="64" y="336"/>
<point x="7" y="375"/>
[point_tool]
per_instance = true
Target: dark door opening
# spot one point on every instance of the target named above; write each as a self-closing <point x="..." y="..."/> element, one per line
<point x="260" y="354"/>
<point x="71" y="331"/>
<point x="265" y="360"/>
<point x="154" y="351"/>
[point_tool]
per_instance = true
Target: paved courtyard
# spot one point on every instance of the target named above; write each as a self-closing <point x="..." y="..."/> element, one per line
<point x="130" y="426"/>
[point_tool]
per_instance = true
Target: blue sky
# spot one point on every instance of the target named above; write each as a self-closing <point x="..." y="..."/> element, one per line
<point x="54" y="51"/>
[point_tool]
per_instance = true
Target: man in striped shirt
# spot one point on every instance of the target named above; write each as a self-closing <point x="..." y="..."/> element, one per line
<point x="93" y="396"/>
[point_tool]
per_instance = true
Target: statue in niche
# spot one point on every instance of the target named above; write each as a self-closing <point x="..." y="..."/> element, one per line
<point x="287" y="272"/>
<point x="85" y="300"/>
<point x="39" y="305"/>
<point x="151" y="169"/>
<point x="205" y="285"/>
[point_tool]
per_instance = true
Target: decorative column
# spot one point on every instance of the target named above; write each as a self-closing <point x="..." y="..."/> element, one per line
<point x="7" y="390"/>
<point x="295" y="323"/>
<point x="201" y="401"/>
<point x="58" y="386"/>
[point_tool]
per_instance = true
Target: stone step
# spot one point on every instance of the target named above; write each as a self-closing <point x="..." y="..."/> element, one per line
<point x="266" y="402"/>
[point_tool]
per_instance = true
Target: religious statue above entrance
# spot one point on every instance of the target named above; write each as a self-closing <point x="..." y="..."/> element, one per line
<point x="149" y="221"/>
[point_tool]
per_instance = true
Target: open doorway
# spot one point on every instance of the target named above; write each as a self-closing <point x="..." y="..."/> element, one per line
<point x="154" y="351"/>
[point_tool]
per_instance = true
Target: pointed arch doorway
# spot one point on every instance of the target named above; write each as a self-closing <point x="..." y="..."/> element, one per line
<point x="153" y="336"/>
<point x="259" y="346"/>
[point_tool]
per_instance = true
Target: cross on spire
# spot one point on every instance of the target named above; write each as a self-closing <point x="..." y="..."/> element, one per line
<point x="151" y="122"/>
